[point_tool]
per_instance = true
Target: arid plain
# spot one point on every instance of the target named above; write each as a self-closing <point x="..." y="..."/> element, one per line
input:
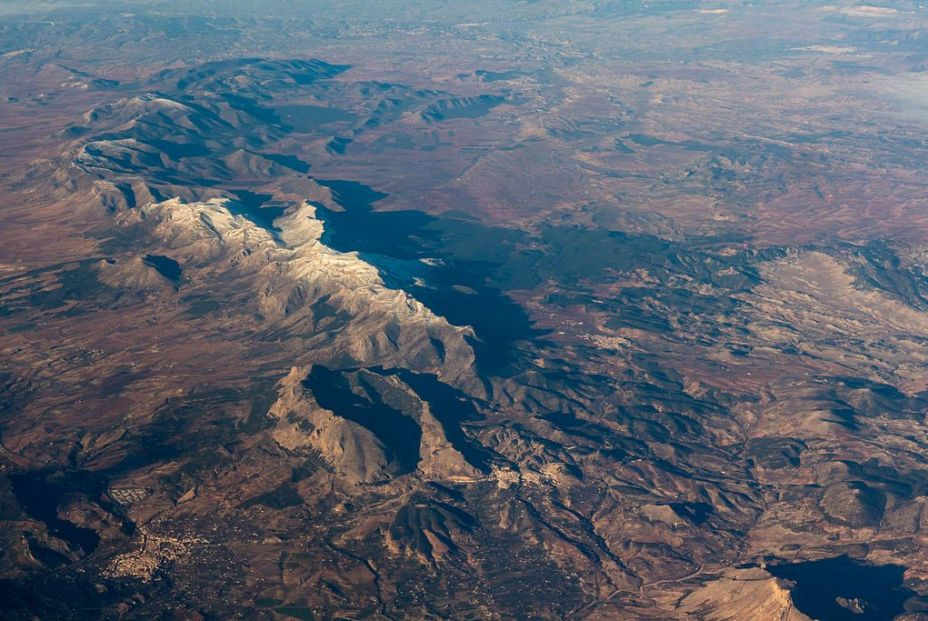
<point x="578" y="310"/>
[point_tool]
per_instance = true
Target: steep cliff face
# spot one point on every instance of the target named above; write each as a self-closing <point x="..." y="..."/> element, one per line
<point x="741" y="594"/>
<point x="378" y="427"/>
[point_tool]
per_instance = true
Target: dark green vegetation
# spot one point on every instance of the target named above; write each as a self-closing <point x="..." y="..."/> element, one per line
<point x="306" y="118"/>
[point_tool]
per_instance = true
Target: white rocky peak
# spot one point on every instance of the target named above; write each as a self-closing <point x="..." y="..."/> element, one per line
<point x="292" y="269"/>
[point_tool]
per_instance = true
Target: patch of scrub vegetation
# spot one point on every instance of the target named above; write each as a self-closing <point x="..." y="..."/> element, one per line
<point x="462" y="107"/>
<point x="279" y="498"/>
<point x="75" y="282"/>
<point x="498" y="76"/>
<point x="477" y="265"/>
<point x="296" y="612"/>
<point x="877" y="265"/>
<point x="305" y="118"/>
<point x="201" y="305"/>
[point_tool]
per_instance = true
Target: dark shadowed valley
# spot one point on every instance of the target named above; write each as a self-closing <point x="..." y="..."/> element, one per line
<point x="484" y="310"/>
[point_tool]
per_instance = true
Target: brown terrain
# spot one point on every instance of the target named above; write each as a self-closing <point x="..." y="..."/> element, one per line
<point x="580" y="310"/>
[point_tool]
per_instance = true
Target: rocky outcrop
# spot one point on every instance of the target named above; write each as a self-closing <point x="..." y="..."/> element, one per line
<point x="853" y="503"/>
<point x="336" y="301"/>
<point x="741" y="594"/>
<point x="373" y="429"/>
<point x="135" y="274"/>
